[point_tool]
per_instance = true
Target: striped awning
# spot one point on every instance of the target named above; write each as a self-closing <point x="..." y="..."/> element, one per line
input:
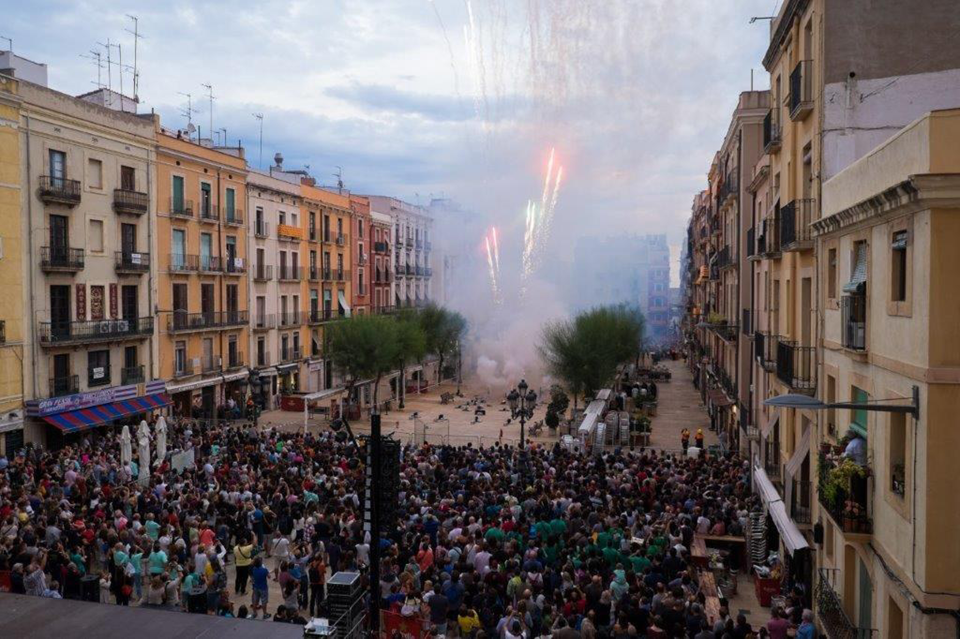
<point x="75" y="421"/>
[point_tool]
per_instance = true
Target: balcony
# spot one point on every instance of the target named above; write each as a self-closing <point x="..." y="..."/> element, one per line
<point x="289" y="273"/>
<point x="98" y="376"/>
<point x="335" y="275"/>
<point x="132" y="263"/>
<point x="765" y="349"/>
<point x="65" y="385"/>
<point x="184" y="369"/>
<point x="728" y="385"/>
<point x="261" y="229"/>
<point x="313" y="274"/>
<point x="724" y="329"/>
<point x="747" y="425"/>
<point x="290" y="318"/>
<point x="209" y="213"/>
<point x="61" y="259"/>
<point x="210" y="264"/>
<point x="133" y="202"/>
<point x="381" y="247"/>
<point x="264" y="322"/>
<point x="768" y="244"/>
<point x="289" y="233"/>
<point x="234" y="266"/>
<point x="771" y="459"/>
<point x="831" y="613"/>
<point x="318" y="316"/>
<point x="427" y="245"/>
<point x="181" y="263"/>
<point x="181" y="207"/>
<point x="233" y="217"/>
<point x="398" y="241"/>
<point x="93" y="331"/>
<point x="262" y="273"/>
<point x="731" y="186"/>
<point x="844" y="492"/>
<point x="797" y="366"/>
<point x="726" y="258"/>
<point x="132" y="375"/>
<point x="382" y="276"/>
<point x="751" y="243"/>
<point x="771" y="131"/>
<point x="235" y="360"/>
<point x="182" y="321"/>
<point x="340" y="239"/>
<point x="801" y="90"/>
<point x="290" y="355"/>
<point x="211" y="365"/>
<point x="59" y="190"/>
<point x="263" y="359"/>
<point x="795" y="220"/>
<point x="854" y="318"/>
<point x="801" y="510"/>
<point x="419" y="244"/>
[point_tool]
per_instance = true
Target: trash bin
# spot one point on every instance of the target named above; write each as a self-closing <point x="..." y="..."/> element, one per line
<point x="197" y="600"/>
<point x="90" y="588"/>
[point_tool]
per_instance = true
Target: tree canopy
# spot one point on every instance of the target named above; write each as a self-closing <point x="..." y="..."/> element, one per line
<point x="443" y="329"/>
<point x="364" y="347"/>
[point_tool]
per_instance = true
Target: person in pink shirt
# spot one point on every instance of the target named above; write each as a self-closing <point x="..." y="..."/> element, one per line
<point x="777" y="626"/>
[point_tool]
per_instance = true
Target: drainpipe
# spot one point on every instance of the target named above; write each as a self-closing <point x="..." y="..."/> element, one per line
<point x="151" y="282"/>
<point x="220" y="278"/>
<point x="29" y="252"/>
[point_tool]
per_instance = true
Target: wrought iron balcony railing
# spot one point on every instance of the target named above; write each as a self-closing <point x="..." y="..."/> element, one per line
<point x="797" y="366"/>
<point x="59" y="190"/>
<point x="261" y="229"/>
<point x="131" y="262"/>
<point x="765" y="349"/>
<point x="771" y="130"/>
<point x="233" y="217"/>
<point x="264" y="322"/>
<point x="133" y="202"/>
<point x="61" y="259"/>
<point x="854" y="318"/>
<point x="64" y="385"/>
<point x="831" y="613"/>
<point x="132" y="375"/>
<point x="801" y="90"/>
<point x="289" y="273"/>
<point x="79" y="332"/>
<point x="795" y="220"/>
<point x="262" y="273"/>
<point x="182" y="263"/>
<point x="181" y="207"/>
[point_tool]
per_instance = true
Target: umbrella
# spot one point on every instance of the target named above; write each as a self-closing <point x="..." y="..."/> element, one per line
<point x="161" y="440"/>
<point x="126" y="447"/>
<point x="144" y="456"/>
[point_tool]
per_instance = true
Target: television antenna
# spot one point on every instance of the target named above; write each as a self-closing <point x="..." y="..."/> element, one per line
<point x="339" y="176"/>
<point x="259" y="116"/>
<point x="9" y="42"/>
<point x="189" y="111"/>
<point x="136" y="69"/>
<point x="97" y="58"/>
<point x="211" y="98"/>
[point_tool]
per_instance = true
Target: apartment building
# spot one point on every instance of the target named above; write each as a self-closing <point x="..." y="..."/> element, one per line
<point x="412" y="250"/>
<point x="11" y="272"/>
<point x="888" y="230"/>
<point x="381" y="299"/>
<point x="272" y="197"/>
<point x="86" y="197"/>
<point x="362" y="249"/>
<point x="201" y="272"/>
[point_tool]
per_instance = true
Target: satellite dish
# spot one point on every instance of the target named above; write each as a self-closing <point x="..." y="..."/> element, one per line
<point x="191" y="128"/>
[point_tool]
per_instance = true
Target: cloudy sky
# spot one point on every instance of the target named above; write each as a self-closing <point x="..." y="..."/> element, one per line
<point x="417" y="98"/>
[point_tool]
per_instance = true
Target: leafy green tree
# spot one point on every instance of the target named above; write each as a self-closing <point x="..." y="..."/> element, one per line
<point x="563" y="356"/>
<point x="443" y="330"/>
<point x="411" y="347"/>
<point x="364" y="347"/>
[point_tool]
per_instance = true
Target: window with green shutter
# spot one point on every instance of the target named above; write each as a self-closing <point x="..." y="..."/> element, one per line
<point x="231" y="195"/>
<point x="177" y="193"/>
<point x="858" y="419"/>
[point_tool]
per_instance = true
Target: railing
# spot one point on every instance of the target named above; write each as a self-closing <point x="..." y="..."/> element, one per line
<point x="800" y="506"/>
<point x="264" y="322"/>
<point x="847" y="496"/>
<point x="290" y="274"/>
<point x="234" y="266"/>
<point x="183" y="208"/>
<point x="795" y="220"/>
<point x="725" y="330"/>
<point x="289" y="232"/>
<point x="261" y="229"/>
<point x="854" y="317"/>
<point x="290" y="354"/>
<point x="771" y="234"/>
<point x="130" y="262"/>
<point x="66" y="385"/>
<point x="132" y="375"/>
<point x="135" y="202"/>
<point x="94" y="330"/>
<point x="210" y="264"/>
<point x="209" y="213"/>
<point x="419" y="244"/>
<point x="313" y="274"/>
<point x="751" y="242"/>
<point x="98" y="375"/>
<point x="184" y="321"/>
<point x="796" y="365"/>
<point x="771" y="459"/>
<point x="341" y="239"/>
<point x="831" y="614"/>
<point x="263" y="358"/>
<point x="182" y="263"/>
<point x="746" y="424"/>
<point x="801" y="90"/>
<point x="318" y="315"/>
<point x="234" y="359"/>
<point x="210" y="365"/>
<point x="771" y="130"/>
<point x="731" y="185"/>
<point x="723" y="258"/>
<point x="185" y="369"/>
<point x="234" y="217"/>
<point x="290" y="318"/>
<point x="262" y="272"/>
<point x="380" y="247"/>
<point x="726" y="383"/>
<point x="765" y="349"/>
<point x="61" y="258"/>
<point x="59" y="190"/>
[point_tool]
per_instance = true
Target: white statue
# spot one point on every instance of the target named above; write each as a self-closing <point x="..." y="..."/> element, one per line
<point x="161" y="430"/>
<point x="143" y="462"/>
<point x="126" y="446"/>
<point x="143" y="430"/>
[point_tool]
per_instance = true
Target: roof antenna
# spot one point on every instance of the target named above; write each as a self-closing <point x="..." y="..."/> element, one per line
<point x="96" y="56"/>
<point x="9" y="42"/>
<point x="188" y="112"/>
<point x="136" y="69"/>
<point x="259" y="116"/>
<point x="339" y="176"/>
<point x="209" y="89"/>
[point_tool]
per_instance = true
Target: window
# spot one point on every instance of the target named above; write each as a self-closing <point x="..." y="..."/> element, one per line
<point x="58" y="165"/>
<point x="832" y="273"/>
<point x="94" y="173"/>
<point x="282" y="217"/>
<point x="206" y="201"/>
<point x="96" y="236"/>
<point x="858" y="417"/>
<point x="98" y="368"/>
<point x="897" y="445"/>
<point x="177" y="204"/>
<point x="898" y="267"/>
<point x="209" y="361"/>
<point x="128" y="178"/>
<point x="180" y="358"/>
<point x="230" y="204"/>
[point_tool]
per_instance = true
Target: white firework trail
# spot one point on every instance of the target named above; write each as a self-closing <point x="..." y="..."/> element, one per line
<point x="493" y="274"/>
<point x="496" y="253"/>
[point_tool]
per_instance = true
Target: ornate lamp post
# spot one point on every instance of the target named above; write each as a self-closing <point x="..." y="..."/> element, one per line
<point x="522" y="401"/>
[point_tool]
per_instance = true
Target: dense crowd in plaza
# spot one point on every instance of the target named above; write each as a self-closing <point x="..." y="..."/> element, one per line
<point x="492" y="542"/>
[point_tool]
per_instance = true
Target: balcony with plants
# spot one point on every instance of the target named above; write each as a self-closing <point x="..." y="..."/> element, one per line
<point x="844" y="490"/>
<point x="724" y="329"/>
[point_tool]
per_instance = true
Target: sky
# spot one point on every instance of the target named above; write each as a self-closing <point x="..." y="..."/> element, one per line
<point x="421" y="99"/>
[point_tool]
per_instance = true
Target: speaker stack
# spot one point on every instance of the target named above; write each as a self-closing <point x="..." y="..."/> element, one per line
<point x="345" y="604"/>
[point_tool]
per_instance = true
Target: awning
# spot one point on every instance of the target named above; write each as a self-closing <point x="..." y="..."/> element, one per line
<point x="286" y="368"/>
<point x="232" y="377"/>
<point x="194" y="385"/>
<point x="718" y="398"/>
<point x="266" y="372"/>
<point x="793" y="466"/>
<point x="858" y="279"/>
<point x="765" y="431"/>
<point x="344" y="306"/>
<point x="330" y="392"/>
<point x="85" y="418"/>
<point x="765" y="488"/>
<point x="793" y="540"/>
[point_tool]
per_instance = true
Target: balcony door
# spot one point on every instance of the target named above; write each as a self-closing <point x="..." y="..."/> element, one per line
<point x="233" y="297"/>
<point x="178" y="249"/>
<point x="206" y="251"/>
<point x="207" y="303"/>
<point x="128" y="240"/>
<point x="58" y="167"/>
<point x="128" y="178"/>
<point x="60" y="311"/>
<point x="179" y="305"/>
<point x="59" y="238"/>
<point x="61" y="375"/>
<point x="128" y="304"/>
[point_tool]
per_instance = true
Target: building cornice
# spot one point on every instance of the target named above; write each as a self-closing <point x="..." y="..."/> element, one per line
<point x="793" y="9"/>
<point x="918" y="192"/>
<point x="759" y="178"/>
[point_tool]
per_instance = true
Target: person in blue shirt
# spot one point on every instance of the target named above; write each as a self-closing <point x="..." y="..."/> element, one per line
<point x="261" y="590"/>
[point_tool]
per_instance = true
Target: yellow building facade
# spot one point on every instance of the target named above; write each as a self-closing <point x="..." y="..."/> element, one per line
<point x="202" y="273"/>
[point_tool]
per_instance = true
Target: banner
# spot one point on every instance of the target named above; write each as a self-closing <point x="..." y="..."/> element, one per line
<point x="182" y="460"/>
<point x="409" y="627"/>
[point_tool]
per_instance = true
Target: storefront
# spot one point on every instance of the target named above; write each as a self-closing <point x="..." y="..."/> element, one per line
<point x="197" y="398"/>
<point x="72" y="414"/>
<point x="289" y="375"/>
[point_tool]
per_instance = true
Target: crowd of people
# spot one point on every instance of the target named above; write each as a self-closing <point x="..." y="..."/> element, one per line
<point x="492" y="542"/>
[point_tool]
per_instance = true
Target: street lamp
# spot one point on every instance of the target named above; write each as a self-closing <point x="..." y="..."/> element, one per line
<point x="522" y="403"/>
<point x="795" y="400"/>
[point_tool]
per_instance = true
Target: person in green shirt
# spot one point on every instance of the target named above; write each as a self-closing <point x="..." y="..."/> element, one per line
<point x="157" y="561"/>
<point x="79" y="560"/>
<point x="152" y="528"/>
<point x="190" y="581"/>
<point x="558" y="527"/>
<point x="493" y="533"/>
<point x="136" y="560"/>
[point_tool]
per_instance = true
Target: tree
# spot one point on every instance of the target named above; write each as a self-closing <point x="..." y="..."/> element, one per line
<point x="411" y="347"/>
<point x="364" y="347"/>
<point x="563" y="356"/>
<point x="559" y="402"/>
<point x="443" y="330"/>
